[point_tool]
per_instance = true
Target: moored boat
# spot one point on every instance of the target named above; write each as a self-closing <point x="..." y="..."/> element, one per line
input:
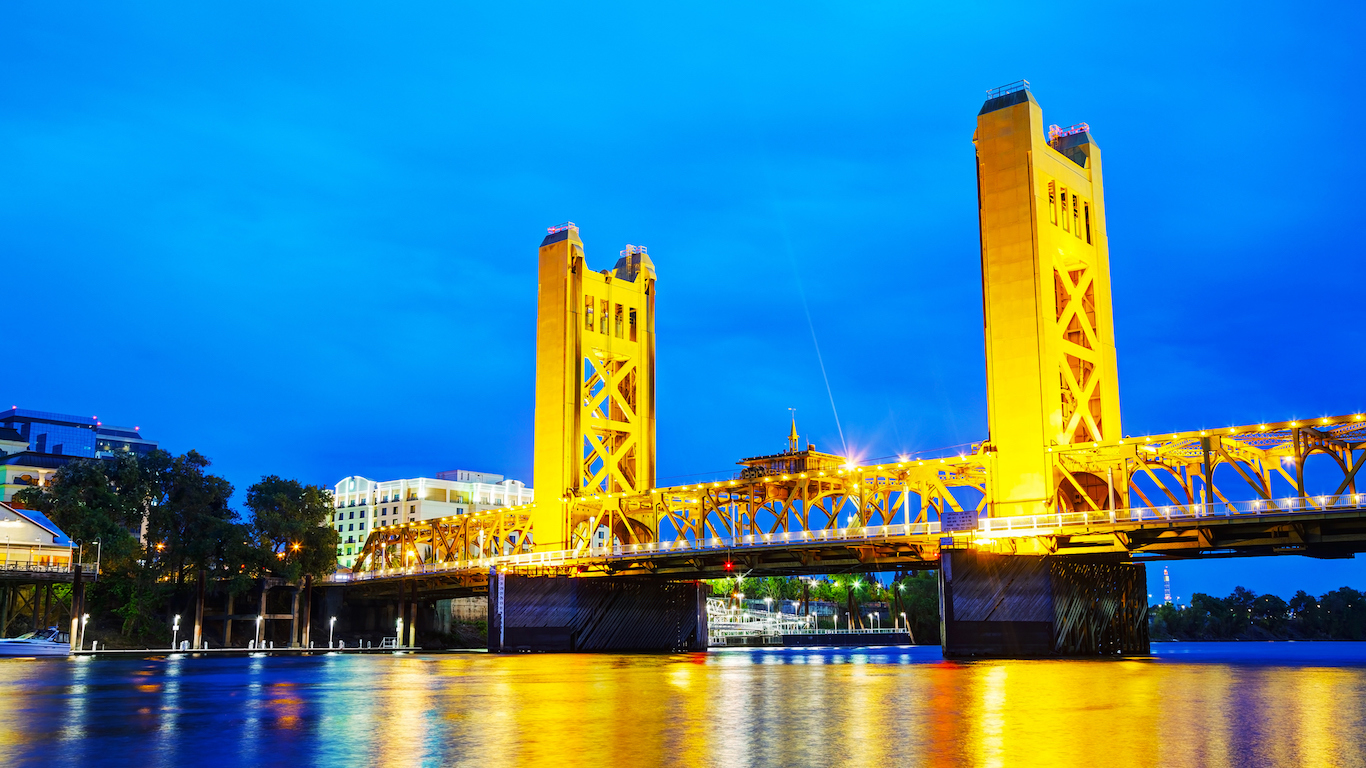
<point x="44" y="642"/>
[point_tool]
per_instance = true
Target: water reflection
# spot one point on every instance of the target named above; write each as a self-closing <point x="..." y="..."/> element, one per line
<point x="1197" y="705"/>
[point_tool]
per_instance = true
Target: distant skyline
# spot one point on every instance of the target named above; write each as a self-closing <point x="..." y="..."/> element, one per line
<point x="302" y="240"/>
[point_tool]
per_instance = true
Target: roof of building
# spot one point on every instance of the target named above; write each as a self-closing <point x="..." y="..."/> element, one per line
<point x="12" y="435"/>
<point x="39" y="460"/>
<point x="59" y="538"/>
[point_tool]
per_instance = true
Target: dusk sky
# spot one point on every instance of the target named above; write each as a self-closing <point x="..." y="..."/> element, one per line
<point x="301" y="238"/>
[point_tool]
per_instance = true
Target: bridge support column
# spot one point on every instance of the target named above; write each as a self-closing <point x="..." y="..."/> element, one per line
<point x="1029" y="606"/>
<point x="551" y="613"/>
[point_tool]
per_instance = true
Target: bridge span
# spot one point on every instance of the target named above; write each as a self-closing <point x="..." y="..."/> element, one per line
<point x="1039" y="532"/>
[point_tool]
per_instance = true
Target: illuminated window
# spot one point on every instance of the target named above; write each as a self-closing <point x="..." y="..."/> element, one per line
<point x="602" y="324"/>
<point x="618" y="321"/>
<point x="1062" y="195"/>
<point x="633" y="324"/>
<point x="1052" y="202"/>
<point x="1086" y="211"/>
<point x="588" y="313"/>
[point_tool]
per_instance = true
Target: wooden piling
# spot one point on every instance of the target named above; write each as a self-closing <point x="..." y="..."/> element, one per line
<point x="294" y="617"/>
<point x="227" y="622"/>
<point x="199" y="611"/>
<point x="77" y="607"/>
<point x="308" y="612"/>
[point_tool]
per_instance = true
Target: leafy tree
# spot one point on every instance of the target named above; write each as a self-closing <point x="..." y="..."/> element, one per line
<point x="289" y="525"/>
<point x="189" y="523"/>
<point x="89" y="499"/>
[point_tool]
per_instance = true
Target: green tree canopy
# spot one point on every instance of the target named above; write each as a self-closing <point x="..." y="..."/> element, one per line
<point x="289" y="524"/>
<point x="91" y="500"/>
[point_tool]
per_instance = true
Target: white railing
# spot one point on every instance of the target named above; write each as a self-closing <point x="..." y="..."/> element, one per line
<point x="1023" y="525"/>
<point x="33" y="566"/>
<point x="633" y="551"/>
<point x="1027" y="524"/>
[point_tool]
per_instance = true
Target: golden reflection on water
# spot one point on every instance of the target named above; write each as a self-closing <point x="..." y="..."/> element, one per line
<point x="733" y="709"/>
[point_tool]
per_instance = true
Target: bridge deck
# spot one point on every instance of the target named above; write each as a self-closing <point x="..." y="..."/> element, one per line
<point x="1322" y="526"/>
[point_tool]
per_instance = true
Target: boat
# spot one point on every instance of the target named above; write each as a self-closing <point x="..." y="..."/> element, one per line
<point x="44" y="642"/>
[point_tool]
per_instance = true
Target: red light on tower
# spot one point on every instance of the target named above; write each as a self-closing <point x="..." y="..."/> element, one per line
<point x="730" y="565"/>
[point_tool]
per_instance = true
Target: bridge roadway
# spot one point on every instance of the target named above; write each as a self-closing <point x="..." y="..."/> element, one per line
<point x="1316" y="526"/>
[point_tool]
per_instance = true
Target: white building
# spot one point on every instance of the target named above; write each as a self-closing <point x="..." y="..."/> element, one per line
<point x="362" y="503"/>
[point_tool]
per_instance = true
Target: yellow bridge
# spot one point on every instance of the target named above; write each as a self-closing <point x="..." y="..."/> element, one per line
<point x="1057" y="476"/>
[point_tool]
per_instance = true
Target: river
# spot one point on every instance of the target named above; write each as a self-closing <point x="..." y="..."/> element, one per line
<point x="1215" y="704"/>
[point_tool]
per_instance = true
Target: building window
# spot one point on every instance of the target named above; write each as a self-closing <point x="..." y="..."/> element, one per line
<point x="588" y="313"/>
<point x="384" y="511"/>
<point x="633" y="324"/>
<point x="1062" y="195"/>
<point x="412" y="509"/>
<point x="1053" y="202"/>
<point x="362" y="526"/>
<point x="351" y="527"/>
<point x="618" y="321"/>
<point x="353" y="514"/>
<point x="602" y="324"/>
<point x="1076" y="215"/>
<point x="339" y="528"/>
<point x="1086" y="212"/>
<point x="362" y="514"/>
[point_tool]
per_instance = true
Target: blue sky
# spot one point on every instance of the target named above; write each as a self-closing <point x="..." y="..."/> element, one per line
<point x="302" y="239"/>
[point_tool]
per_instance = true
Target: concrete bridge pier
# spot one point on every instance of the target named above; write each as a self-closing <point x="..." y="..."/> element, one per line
<point x="1021" y="606"/>
<point x="609" y="613"/>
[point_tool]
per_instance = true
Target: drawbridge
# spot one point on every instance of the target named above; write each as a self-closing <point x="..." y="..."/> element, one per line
<point x="1057" y="502"/>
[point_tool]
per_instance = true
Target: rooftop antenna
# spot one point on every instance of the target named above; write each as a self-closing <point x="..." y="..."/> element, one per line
<point x="793" y="439"/>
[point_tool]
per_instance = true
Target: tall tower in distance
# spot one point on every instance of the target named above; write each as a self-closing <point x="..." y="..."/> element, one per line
<point x="1166" y="586"/>
<point x="595" y="382"/>
<point x="1050" y="347"/>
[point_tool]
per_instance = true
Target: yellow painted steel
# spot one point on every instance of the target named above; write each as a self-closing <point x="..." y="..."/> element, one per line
<point x="1056" y="472"/>
<point x="595" y="385"/>
<point x="1050" y="348"/>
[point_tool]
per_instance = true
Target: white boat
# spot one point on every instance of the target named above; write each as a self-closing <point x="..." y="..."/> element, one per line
<point x="44" y="642"/>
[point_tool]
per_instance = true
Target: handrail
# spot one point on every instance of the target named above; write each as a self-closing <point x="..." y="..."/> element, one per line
<point x="1022" y="525"/>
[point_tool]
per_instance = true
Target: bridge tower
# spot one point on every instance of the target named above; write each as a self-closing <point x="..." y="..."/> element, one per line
<point x="595" y="386"/>
<point x="1050" y="345"/>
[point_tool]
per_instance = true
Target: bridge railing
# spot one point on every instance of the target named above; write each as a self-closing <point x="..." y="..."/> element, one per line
<point x="569" y="556"/>
<point x="1219" y="509"/>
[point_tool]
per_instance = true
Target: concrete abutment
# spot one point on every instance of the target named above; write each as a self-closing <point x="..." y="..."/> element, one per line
<point x="551" y="613"/>
<point x="1039" y="606"/>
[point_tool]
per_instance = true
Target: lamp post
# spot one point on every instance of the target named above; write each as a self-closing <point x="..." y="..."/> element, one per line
<point x="175" y="631"/>
<point x="331" y="630"/>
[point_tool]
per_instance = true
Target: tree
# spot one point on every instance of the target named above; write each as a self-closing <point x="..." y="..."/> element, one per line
<point x="189" y="523"/>
<point x="91" y="500"/>
<point x="289" y="525"/>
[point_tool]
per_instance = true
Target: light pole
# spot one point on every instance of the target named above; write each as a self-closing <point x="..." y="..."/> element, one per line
<point x="175" y="631"/>
<point x="331" y="630"/>
<point x="768" y="604"/>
